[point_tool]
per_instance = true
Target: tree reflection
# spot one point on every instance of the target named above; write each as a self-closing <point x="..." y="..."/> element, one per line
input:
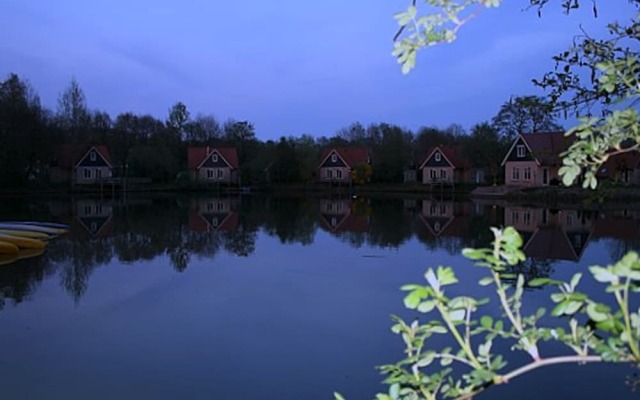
<point x="182" y="229"/>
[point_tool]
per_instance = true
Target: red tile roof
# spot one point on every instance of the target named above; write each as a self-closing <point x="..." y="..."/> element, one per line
<point x="68" y="155"/>
<point x="547" y="146"/>
<point x="196" y="155"/>
<point x="351" y="155"/>
<point x="620" y="162"/>
<point x="451" y="153"/>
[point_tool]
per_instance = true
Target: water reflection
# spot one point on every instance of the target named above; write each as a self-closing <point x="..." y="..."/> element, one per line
<point x="179" y="230"/>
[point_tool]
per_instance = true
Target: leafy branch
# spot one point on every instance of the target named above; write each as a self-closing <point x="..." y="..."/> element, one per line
<point x="471" y="365"/>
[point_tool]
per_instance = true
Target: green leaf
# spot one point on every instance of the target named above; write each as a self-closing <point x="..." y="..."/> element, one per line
<point x="485" y="281"/>
<point x="427" y="306"/>
<point x="457" y="315"/>
<point x="539" y="282"/>
<point x="603" y="274"/>
<point x="596" y="312"/>
<point x="394" y="391"/>
<point x="486" y="321"/>
<point x="338" y="396"/>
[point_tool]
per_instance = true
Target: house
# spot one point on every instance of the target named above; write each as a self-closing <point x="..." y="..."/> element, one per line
<point x="81" y="164"/>
<point x="534" y="159"/>
<point x="213" y="215"/>
<point x="623" y="168"/>
<point x="213" y="164"/>
<point x="337" y="164"/>
<point x="445" y="164"/>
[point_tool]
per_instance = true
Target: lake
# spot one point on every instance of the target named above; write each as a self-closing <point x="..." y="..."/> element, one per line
<point x="258" y="297"/>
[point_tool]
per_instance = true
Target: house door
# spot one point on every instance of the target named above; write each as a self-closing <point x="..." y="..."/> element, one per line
<point x="545" y="176"/>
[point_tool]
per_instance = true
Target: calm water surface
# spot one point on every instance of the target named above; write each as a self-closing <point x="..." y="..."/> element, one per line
<point x="264" y="298"/>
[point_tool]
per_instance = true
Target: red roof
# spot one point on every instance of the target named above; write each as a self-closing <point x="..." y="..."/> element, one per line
<point x="68" y="155"/>
<point x="547" y="146"/>
<point x="620" y="162"/>
<point x="351" y="155"/>
<point x="196" y="155"/>
<point x="451" y="153"/>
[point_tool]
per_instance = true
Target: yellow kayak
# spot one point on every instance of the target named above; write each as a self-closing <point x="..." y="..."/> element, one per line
<point x="26" y="234"/>
<point x="28" y="253"/>
<point x="8" y="248"/>
<point x="8" y="258"/>
<point x="23" y="242"/>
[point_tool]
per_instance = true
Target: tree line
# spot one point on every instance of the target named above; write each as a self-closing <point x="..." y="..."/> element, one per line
<point x="145" y="146"/>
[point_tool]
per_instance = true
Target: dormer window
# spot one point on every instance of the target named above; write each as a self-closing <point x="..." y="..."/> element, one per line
<point x="438" y="157"/>
<point x="334" y="157"/>
<point x="214" y="157"/>
<point x="92" y="156"/>
<point x="520" y="150"/>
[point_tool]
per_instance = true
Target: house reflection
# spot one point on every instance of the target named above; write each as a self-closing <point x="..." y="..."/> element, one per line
<point x="215" y="214"/>
<point x="445" y="218"/>
<point x="556" y="234"/>
<point x="94" y="216"/>
<point x="344" y="215"/>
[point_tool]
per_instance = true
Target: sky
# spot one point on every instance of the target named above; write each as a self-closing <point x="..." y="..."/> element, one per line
<point x="289" y="67"/>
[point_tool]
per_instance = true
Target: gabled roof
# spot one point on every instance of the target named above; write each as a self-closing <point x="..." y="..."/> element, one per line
<point x="620" y="162"/>
<point x="453" y="154"/>
<point x="350" y="155"/>
<point x="197" y="155"/>
<point x="545" y="147"/>
<point x="552" y="243"/>
<point x="69" y="155"/>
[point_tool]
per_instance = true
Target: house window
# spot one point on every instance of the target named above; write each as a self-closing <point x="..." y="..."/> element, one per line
<point x="209" y="174"/>
<point x="334" y="158"/>
<point x="214" y="157"/>
<point x="443" y="209"/>
<point x="220" y="174"/>
<point x="438" y="157"/>
<point x="329" y="207"/>
<point x="526" y="217"/>
<point x="436" y="227"/>
<point x="209" y="206"/>
<point x="92" y="156"/>
<point x="569" y="221"/>
<point x="87" y="210"/>
<point x="329" y="174"/>
<point x="432" y="209"/>
<point x="515" y="174"/>
<point x="443" y="174"/>
<point x="87" y="173"/>
<point x="334" y="222"/>
<point x="339" y="174"/>
<point x="93" y="227"/>
<point x="220" y="206"/>
<point x="98" y="174"/>
<point x="515" y="216"/>
<point x="527" y="174"/>
<point x="520" y="150"/>
<point x="432" y="174"/>
<point x="215" y="222"/>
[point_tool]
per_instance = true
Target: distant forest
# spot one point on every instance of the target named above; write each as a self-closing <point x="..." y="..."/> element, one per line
<point x="157" y="149"/>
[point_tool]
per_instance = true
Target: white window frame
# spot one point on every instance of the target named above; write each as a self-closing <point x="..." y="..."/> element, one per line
<point x="92" y="156"/>
<point x="432" y="174"/>
<point x="329" y="174"/>
<point x="443" y="174"/>
<point x="520" y="153"/>
<point x="515" y="174"/>
<point x="338" y="174"/>
<point x="438" y="157"/>
<point x="220" y="174"/>
<point x="527" y="174"/>
<point x="214" y="157"/>
<point x="209" y="173"/>
<point x="86" y="173"/>
<point x="334" y="158"/>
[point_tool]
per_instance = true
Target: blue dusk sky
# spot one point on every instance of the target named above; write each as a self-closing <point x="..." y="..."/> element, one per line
<point x="290" y="67"/>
